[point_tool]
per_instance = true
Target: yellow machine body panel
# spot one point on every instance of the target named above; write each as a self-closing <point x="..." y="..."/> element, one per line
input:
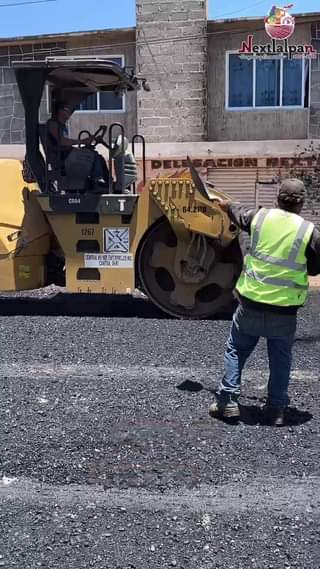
<point x="100" y="249"/>
<point x="24" y="231"/>
<point x="172" y="240"/>
<point x="187" y="210"/>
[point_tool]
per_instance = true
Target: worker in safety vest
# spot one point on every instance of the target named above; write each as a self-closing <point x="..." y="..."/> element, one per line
<point x="273" y="285"/>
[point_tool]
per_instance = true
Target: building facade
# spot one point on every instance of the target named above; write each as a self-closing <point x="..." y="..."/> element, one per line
<point x="201" y="87"/>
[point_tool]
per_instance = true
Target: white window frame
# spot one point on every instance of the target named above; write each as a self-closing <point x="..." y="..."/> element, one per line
<point x="279" y="107"/>
<point x="98" y="110"/>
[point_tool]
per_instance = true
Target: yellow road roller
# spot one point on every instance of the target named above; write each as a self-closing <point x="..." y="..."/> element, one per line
<point x="59" y="224"/>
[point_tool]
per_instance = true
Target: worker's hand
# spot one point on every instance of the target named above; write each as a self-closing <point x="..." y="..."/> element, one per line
<point x="224" y="204"/>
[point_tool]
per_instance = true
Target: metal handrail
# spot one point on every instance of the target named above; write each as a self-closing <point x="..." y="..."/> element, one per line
<point x="112" y="126"/>
<point x="142" y="140"/>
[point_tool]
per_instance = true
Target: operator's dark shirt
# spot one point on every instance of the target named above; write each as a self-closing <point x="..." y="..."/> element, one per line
<point x="55" y="145"/>
<point x="243" y="219"/>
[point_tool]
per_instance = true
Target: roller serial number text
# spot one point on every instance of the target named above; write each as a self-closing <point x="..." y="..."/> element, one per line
<point x="87" y="232"/>
<point x="195" y="209"/>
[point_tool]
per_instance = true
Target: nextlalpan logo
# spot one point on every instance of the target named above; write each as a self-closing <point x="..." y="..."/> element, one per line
<point x="279" y="26"/>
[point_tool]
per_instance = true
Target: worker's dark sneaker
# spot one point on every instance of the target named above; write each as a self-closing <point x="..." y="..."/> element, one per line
<point x="274" y="416"/>
<point x="225" y="406"/>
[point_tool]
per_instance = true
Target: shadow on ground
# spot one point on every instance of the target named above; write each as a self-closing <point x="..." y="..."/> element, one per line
<point x="97" y="305"/>
<point x="250" y="414"/>
<point x="310" y="339"/>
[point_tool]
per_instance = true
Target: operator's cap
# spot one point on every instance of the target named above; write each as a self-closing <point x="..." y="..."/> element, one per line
<point x="292" y="190"/>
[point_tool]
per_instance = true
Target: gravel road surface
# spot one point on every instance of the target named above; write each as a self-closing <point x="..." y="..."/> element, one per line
<point x="110" y="460"/>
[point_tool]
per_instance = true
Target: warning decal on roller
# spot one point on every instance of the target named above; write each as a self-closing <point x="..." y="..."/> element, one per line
<point x="108" y="261"/>
<point x="116" y="240"/>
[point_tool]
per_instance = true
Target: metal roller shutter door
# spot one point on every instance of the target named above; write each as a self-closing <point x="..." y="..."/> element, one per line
<point x="267" y="187"/>
<point x="250" y="187"/>
<point x="242" y="185"/>
<point x="256" y="187"/>
<point x="238" y="184"/>
<point x="266" y="195"/>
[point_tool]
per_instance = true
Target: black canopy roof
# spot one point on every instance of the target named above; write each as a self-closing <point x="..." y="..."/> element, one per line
<point x="71" y="80"/>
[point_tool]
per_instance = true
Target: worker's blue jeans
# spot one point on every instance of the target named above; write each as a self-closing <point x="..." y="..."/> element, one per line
<point x="247" y="327"/>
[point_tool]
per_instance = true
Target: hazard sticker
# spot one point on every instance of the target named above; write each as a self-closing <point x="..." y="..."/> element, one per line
<point x="116" y="240"/>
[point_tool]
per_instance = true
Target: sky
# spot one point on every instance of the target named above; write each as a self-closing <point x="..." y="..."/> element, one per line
<point x="35" y="17"/>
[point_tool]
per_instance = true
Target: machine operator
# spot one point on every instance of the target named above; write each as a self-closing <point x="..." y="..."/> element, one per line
<point x="273" y="285"/>
<point x="58" y="137"/>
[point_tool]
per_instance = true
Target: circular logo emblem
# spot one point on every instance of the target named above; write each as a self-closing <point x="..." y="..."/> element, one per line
<point x="279" y="23"/>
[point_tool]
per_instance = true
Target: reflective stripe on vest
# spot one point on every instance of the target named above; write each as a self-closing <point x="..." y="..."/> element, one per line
<point x="273" y="281"/>
<point x="289" y="263"/>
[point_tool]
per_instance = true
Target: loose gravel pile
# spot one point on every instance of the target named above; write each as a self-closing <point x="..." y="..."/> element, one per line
<point x="109" y="458"/>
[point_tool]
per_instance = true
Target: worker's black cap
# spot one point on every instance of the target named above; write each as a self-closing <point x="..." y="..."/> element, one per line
<point x="292" y="191"/>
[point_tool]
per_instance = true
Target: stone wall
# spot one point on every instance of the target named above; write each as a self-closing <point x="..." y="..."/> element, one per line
<point x="172" y="55"/>
<point x="12" y="126"/>
<point x="314" y="126"/>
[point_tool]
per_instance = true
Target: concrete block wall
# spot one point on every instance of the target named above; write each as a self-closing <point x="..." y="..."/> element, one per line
<point x="171" y="53"/>
<point x="12" y="126"/>
<point x="124" y="45"/>
<point x="267" y="124"/>
<point x="314" y="125"/>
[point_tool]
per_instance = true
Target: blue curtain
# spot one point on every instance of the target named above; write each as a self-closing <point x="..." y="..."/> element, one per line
<point x="292" y="82"/>
<point x="267" y="83"/>
<point x="240" y="81"/>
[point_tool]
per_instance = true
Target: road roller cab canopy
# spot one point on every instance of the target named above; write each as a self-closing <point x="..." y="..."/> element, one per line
<point x="71" y="81"/>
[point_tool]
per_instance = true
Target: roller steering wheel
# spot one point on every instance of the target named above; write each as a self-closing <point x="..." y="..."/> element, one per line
<point x="102" y="130"/>
<point x="99" y="133"/>
<point x="86" y="132"/>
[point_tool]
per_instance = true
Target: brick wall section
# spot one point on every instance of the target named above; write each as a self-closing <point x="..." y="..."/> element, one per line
<point x="176" y="108"/>
<point x="314" y="126"/>
<point x="12" y="127"/>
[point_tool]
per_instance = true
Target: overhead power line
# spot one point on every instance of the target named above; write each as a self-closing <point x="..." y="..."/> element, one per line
<point x="26" y="3"/>
<point x="139" y="43"/>
<point x="241" y="10"/>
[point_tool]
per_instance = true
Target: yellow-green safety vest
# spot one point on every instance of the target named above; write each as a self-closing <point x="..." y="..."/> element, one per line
<point x="275" y="268"/>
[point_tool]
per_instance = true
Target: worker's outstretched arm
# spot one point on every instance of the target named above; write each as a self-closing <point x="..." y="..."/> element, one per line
<point x="313" y="254"/>
<point x="241" y="216"/>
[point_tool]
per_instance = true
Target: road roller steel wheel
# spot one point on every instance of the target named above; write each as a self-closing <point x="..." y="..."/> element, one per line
<point x="156" y="274"/>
